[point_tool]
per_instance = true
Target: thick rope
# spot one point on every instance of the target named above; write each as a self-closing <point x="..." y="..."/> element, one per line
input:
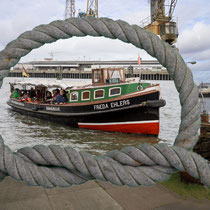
<point x="51" y="166"/>
<point x="51" y="172"/>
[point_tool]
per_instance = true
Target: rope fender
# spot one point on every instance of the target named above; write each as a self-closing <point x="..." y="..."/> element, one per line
<point x="51" y="171"/>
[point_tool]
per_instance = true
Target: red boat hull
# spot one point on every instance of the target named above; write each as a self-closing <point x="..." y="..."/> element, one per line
<point x="143" y="127"/>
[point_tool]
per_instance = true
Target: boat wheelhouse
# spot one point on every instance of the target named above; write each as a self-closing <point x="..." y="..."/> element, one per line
<point x="109" y="103"/>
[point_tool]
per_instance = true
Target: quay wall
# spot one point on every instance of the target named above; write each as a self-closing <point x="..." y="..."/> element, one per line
<point x="85" y="75"/>
<point x="205" y="92"/>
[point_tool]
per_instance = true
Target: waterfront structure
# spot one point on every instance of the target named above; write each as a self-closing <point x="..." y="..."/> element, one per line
<point x="204" y="90"/>
<point x="202" y="147"/>
<point x="150" y="69"/>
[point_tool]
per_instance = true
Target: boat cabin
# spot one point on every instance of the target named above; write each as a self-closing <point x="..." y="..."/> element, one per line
<point x="108" y="76"/>
<point x="106" y="84"/>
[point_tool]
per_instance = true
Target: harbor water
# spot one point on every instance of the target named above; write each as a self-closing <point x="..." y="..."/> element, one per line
<point x="21" y="131"/>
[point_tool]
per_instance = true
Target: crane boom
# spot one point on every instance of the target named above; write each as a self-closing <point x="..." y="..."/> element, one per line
<point x="172" y="8"/>
<point x="157" y="9"/>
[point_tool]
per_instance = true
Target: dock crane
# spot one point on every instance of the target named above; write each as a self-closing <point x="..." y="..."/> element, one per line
<point x="70" y="10"/>
<point x="92" y="9"/>
<point x="161" y="21"/>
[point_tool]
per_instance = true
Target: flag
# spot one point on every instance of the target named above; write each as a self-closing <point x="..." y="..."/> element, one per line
<point x="24" y="73"/>
<point x="139" y="60"/>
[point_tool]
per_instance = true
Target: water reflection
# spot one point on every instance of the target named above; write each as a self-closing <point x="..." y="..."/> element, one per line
<point x="20" y="130"/>
<point x="96" y="142"/>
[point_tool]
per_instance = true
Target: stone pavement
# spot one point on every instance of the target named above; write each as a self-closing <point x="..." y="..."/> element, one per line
<point x="93" y="195"/>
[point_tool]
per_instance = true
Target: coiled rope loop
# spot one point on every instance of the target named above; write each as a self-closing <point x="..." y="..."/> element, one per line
<point x="55" y="166"/>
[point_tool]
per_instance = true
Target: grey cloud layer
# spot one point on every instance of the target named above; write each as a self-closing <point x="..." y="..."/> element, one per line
<point x="18" y="16"/>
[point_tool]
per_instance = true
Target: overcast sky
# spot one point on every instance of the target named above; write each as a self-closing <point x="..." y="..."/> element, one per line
<point x="18" y="16"/>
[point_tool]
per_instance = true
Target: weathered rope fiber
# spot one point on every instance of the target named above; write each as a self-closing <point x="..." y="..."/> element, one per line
<point x="49" y="167"/>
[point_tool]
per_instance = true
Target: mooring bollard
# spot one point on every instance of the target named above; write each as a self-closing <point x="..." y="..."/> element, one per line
<point x="202" y="147"/>
<point x="204" y="117"/>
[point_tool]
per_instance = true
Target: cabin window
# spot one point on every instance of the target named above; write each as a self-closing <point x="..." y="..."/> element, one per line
<point x="98" y="94"/>
<point x="114" y="74"/>
<point x="85" y="95"/>
<point x="114" y="91"/>
<point x="106" y="74"/>
<point x="97" y="76"/>
<point x="74" y="96"/>
<point x="122" y="75"/>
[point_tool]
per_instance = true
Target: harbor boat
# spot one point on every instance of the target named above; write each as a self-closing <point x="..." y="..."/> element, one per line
<point x="110" y="103"/>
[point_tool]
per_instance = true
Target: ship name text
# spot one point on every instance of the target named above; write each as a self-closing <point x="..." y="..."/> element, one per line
<point x="17" y="103"/>
<point x="52" y="108"/>
<point x="112" y="105"/>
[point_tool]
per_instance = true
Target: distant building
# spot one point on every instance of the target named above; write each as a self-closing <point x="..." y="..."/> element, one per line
<point x="150" y="69"/>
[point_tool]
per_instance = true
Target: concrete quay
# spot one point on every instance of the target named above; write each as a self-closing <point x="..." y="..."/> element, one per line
<point x="93" y="195"/>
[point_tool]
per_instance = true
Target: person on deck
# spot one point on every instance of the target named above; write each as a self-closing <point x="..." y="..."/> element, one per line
<point x="55" y="93"/>
<point x="38" y="94"/>
<point x="48" y="97"/>
<point x="16" y="93"/>
<point x="61" y="98"/>
<point x="32" y="93"/>
<point x="24" y="97"/>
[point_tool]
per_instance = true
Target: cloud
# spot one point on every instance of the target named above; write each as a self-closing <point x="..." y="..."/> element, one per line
<point x="88" y="48"/>
<point x="17" y="16"/>
<point x="189" y="12"/>
<point x="193" y="42"/>
<point x="194" y="45"/>
<point x="74" y="48"/>
<point x="201" y="76"/>
<point x="195" y="39"/>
